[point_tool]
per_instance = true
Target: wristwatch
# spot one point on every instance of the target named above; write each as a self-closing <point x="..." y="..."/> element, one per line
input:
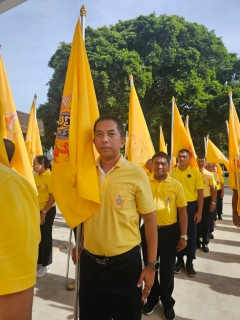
<point x="213" y="202"/>
<point x="185" y="237"/>
<point x="154" y="265"/>
<point x="44" y="211"/>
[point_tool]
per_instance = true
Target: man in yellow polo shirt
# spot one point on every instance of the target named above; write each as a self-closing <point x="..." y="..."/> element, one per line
<point x="19" y="239"/>
<point x="220" y="193"/>
<point x="209" y="204"/>
<point x="191" y="181"/>
<point x="169" y="198"/>
<point x="111" y="274"/>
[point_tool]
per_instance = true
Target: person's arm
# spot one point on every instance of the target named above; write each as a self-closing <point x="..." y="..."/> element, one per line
<point x="183" y="221"/>
<point x="47" y="207"/>
<point x="222" y="187"/>
<point x="17" y="305"/>
<point x="213" y="193"/>
<point x="235" y="216"/>
<point x="148" y="273"/>
<point x="198" y="214"/>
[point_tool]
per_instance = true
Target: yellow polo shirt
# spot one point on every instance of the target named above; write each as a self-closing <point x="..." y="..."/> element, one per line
<point x="19" y="232"/>
<point x="208" y="181"/>
<point x="167" y="195"/>
<point x="221" y="180"/>
<point x="215" y="178"/>
<point x="191" y="181"/>
<point x="125" y="193"/>
<point x="43" y="183"/>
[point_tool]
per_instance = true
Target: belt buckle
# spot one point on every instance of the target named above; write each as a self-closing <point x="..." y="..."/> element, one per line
<point x="102" y="261"/>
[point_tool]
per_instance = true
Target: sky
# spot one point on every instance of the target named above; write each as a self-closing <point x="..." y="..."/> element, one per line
<point x="31" y="32"/>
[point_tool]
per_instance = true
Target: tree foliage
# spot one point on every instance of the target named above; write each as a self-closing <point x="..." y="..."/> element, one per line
<point x="167" y="57"/>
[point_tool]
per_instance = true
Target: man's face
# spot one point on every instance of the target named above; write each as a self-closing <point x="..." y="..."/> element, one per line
<point x="107" y="139"/>
<point x="183" y="158"/>
<point x="210" y="167"/>
<point x="149" y="165"/>
<point x="215" y="169"/>
<point x="201" y="163"/>
<point x="160" y="167"/>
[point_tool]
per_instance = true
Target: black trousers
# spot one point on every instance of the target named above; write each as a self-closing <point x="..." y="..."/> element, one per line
<point x="191" y="247"/>
<point x="45" y="246"/>
<point x="168" y="238"/>
<point x="219" y="203"/>
<point x="110" y="292"/>
<point x="205" y="224"/>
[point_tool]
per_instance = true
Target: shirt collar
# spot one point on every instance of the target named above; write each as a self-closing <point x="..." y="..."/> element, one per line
<point x="151" y="178"/>
<point x="120" y="163"/>
<point x="188" y="168"/>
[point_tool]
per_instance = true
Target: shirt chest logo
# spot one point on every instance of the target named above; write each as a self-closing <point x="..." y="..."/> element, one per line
<point x="118" y="201"/>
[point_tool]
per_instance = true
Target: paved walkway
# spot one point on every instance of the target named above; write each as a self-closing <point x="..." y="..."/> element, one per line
<point x="213" y="294"/>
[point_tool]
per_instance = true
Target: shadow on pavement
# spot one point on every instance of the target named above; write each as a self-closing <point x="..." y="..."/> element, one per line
<point x="226" y="242"/>
<point x="221" y="284"/>
<point x="219" y="256"/>
<point x="223" y="228"/>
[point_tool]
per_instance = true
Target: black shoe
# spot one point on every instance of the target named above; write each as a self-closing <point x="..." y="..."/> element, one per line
<point x="220" y="218"/>
<point x="211" y="236"/>
<point x="205" y="247"/>
<point x="179" y="266"/>
<point x="169" y="314"/>
<point x="190" y="270"/>
<point x="199" y="244"/>
<point x="148" y="308"/>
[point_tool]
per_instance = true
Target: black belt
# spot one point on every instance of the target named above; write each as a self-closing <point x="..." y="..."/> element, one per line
<point x="168" y="226"/>
<point x="106" y="261"/>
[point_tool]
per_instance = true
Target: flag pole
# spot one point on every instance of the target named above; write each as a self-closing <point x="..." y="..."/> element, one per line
<point x="187" y="121"/>
<point x="83" y="13"/>
<point x="35" y="115"/>
<point x="173" y="104"/>
<point x="227" y="127"/>
<point x="126" y="133"/>
<point x="237" y="157"/>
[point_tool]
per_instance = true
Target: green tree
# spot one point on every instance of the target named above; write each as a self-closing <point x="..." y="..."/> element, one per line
<point x="167" y="57"/>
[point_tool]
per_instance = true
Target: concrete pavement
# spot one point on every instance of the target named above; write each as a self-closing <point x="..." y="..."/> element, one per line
<point x="212" y="294"/>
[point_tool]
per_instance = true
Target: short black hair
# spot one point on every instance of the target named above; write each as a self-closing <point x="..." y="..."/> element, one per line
<point x="44" y="160"/>
<point x="201" y="157"/>
<point x="113" y="118"/>
<point x="184" y="151"/>
<point x="162" y="155"/>
<point x="10" y="148"/>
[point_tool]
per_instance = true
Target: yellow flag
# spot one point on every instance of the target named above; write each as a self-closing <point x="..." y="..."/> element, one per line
<point x="74" y="175"/>
<point x="13" y="131"/>
<point x="140" y="147"/>
<point x="181" y="139"/>
<point x="213" y="154"/>
<point x="3" y="154"/>
<point x="162" y="144"/>
<point x="236" y="124"/>
<point x="189" y="136"/>
<point x="33" y="141"/>
<point x="233" y="150"/>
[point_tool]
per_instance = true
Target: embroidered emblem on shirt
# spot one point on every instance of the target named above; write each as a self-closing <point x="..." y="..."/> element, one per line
<point x="39" y="186"/>
<point x="167" y="201"/>
<point x="118" y="202"/>
<point x="189" y="175"/>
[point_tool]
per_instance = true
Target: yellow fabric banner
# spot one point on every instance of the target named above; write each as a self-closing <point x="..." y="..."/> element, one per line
<point x="140" y="147"/>
<point x="74" y="175"/>
<point x="20" y="160"/>
<point x="181" y="139"/>
<point x="162" y="144"/>
<point x="3" y="154"/>
<point x="213" y="154"/>
<point x="233" y="150"/>
<point x="33" y="141"/>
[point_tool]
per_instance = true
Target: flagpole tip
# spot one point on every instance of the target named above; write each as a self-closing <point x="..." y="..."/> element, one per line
<point x="83" y="11"/>
<point x="173" y="99"/>
<point x="230" y="93"/>
<point x="187" y="116"/>
<point x="131" y="77"/>
<point x="35" y="96"/>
